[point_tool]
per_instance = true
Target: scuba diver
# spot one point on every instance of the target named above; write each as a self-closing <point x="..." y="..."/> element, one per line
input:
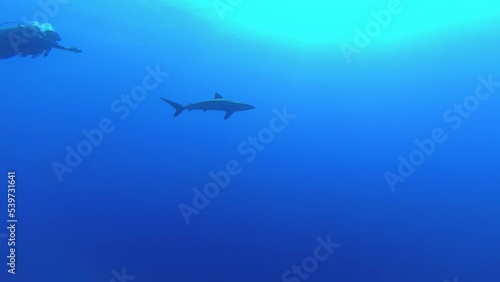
<point x="30" y="39"/>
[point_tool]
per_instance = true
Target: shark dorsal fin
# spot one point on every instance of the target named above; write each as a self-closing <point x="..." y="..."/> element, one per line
<point x="218" y="96"/>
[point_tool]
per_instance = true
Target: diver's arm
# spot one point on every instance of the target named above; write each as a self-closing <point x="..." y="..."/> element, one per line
<point x="71" y="49"/>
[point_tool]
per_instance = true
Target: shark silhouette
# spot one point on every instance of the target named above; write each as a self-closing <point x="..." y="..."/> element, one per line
<point x="216" y="104"/>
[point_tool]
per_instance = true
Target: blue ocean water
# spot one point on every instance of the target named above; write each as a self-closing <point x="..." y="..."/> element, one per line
<point x="381" y="167"/>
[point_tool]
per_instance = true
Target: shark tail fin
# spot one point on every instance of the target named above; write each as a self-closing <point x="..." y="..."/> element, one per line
<point x="178" y="107"/>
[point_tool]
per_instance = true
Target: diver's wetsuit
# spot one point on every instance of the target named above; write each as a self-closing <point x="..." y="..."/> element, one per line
<point x="27" y="40"/>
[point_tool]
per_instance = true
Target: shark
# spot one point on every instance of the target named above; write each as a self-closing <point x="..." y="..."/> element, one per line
<point x="218" y="103"/>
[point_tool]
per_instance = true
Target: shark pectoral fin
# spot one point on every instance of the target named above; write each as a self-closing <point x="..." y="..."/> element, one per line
<point x="228" y="114"/>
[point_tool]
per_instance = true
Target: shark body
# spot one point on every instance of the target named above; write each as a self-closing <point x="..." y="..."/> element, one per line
<point x="216" y="104"/>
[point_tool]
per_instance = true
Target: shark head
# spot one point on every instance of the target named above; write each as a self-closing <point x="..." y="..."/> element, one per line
<point x="246" y="107"/>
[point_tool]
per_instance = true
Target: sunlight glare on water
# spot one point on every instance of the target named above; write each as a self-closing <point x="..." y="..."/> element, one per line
<point x="327" y="21"/>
